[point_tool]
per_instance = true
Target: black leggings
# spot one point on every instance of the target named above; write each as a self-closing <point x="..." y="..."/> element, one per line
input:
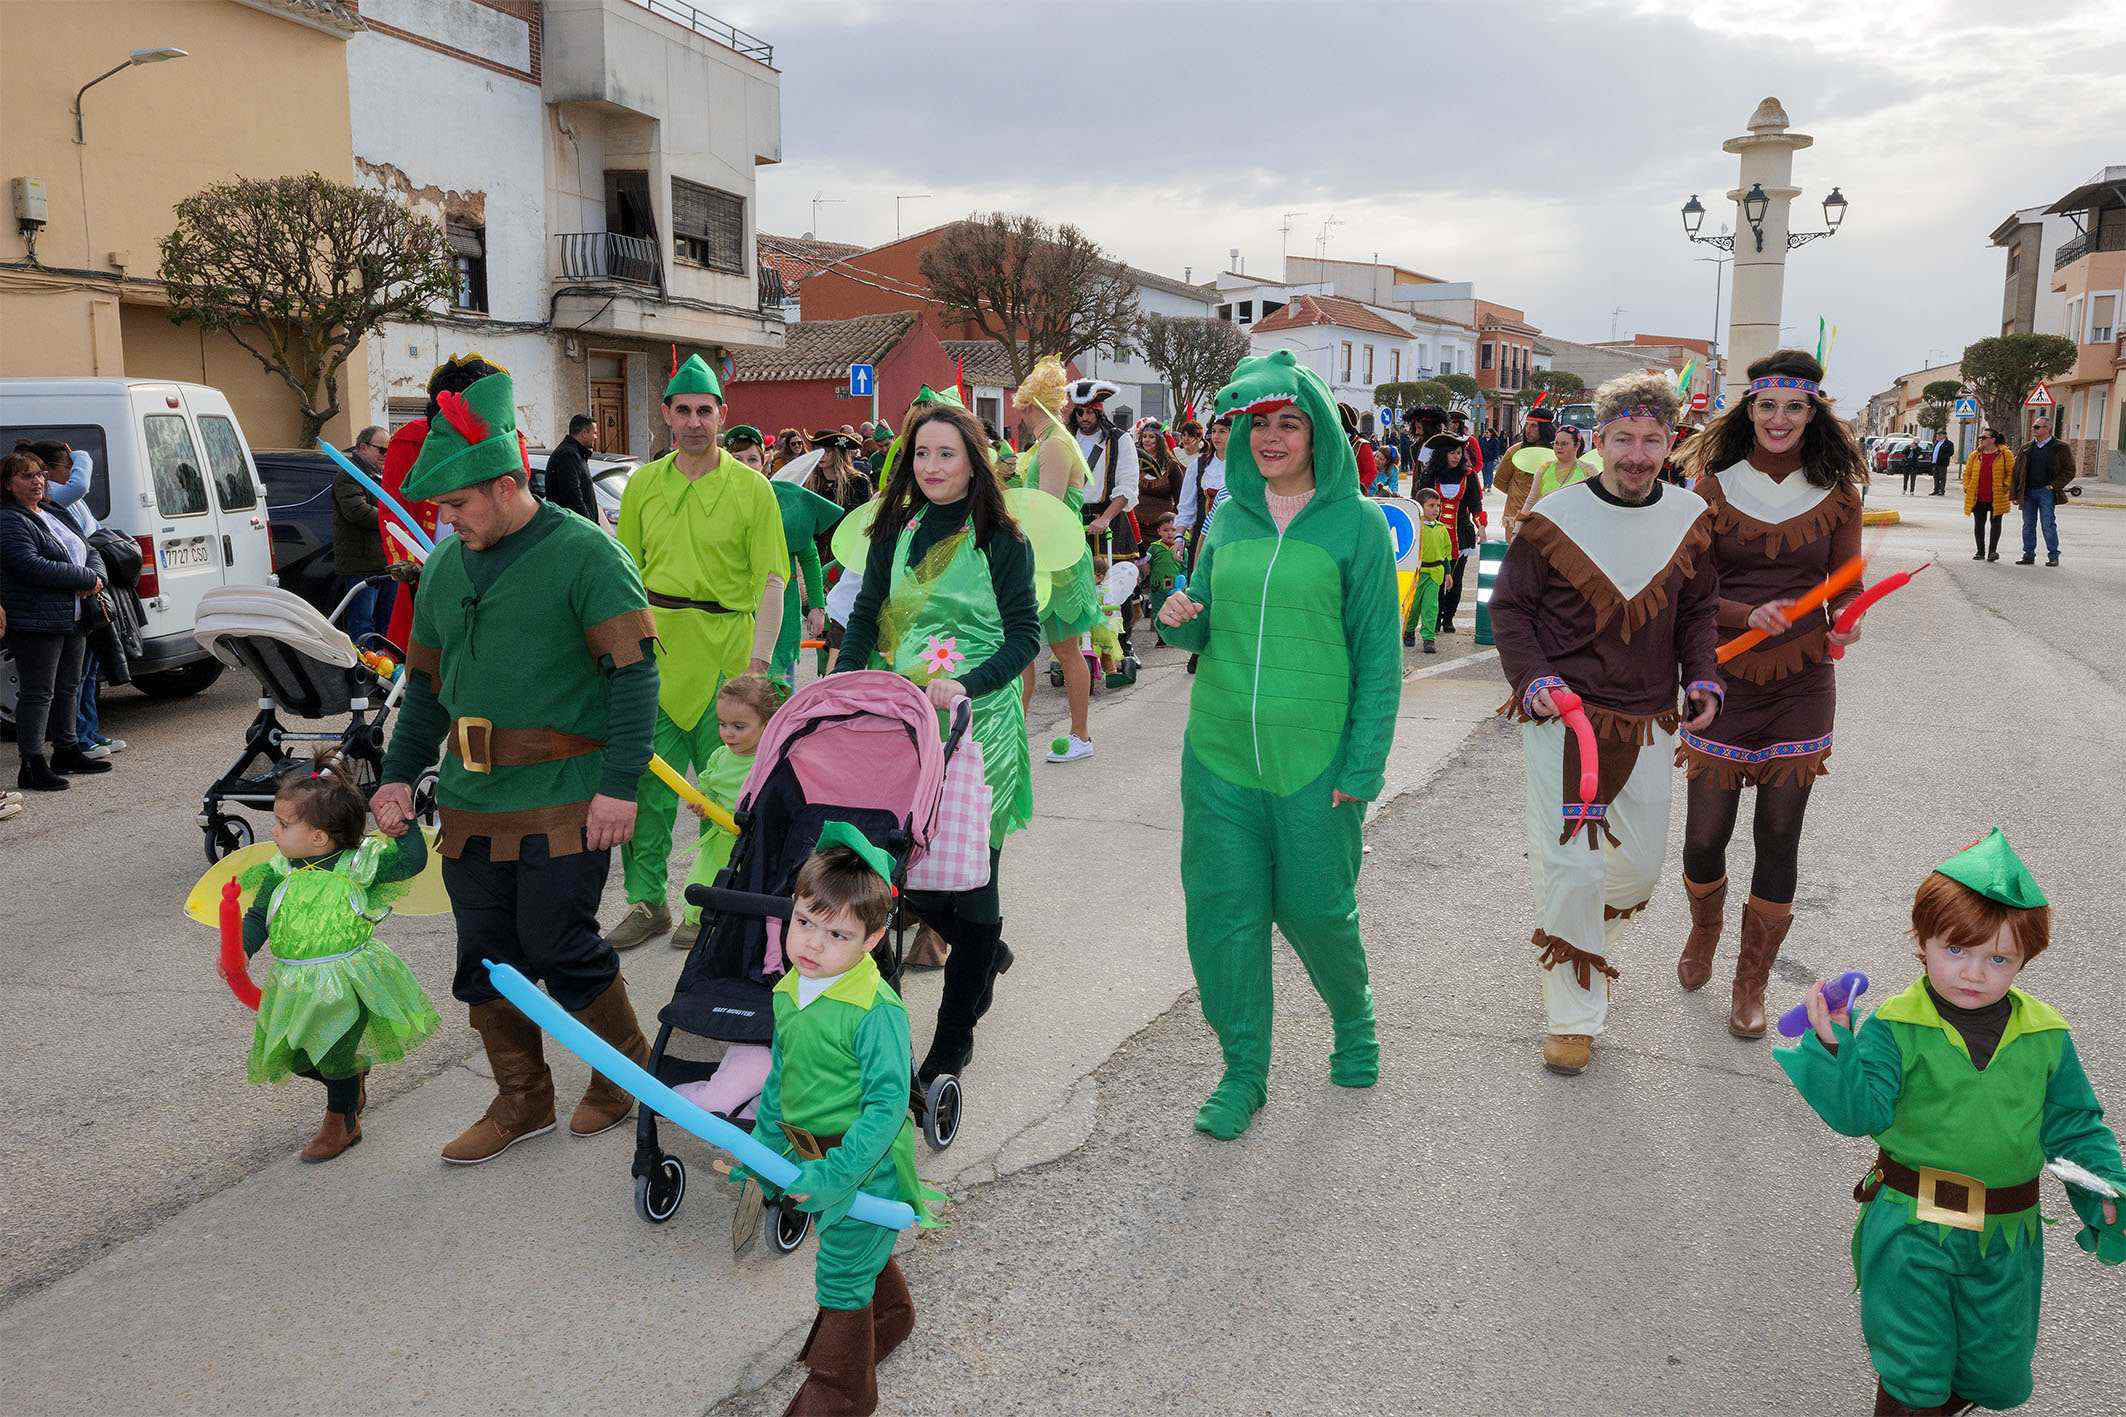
<point x="1980" y="515"/>
<point x="48" y="703"/>
<point x="1450" y="591"/>
<point x="970" y="922"/>
<point x="342" y="1092"/>
<point x="1709" y="823"/>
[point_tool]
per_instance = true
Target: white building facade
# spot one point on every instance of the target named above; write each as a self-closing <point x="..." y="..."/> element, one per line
<point x="1144" y="389"/>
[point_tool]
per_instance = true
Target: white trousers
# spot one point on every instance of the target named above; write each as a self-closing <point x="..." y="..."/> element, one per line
<point x="1584" y="896"/>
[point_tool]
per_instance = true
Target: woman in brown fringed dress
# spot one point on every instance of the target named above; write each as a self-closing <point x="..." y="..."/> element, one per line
<point x="1782" y="476"/>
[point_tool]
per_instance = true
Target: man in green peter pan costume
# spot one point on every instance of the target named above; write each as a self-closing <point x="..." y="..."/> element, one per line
<point x="530" y="658"/>
<point x="705" y="533"/>
<point x="1969" y="1085"/>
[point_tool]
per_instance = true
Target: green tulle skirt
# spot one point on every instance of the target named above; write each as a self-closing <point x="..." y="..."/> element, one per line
<point x="312" y="1008"/>
<point x="1073" y="602"/>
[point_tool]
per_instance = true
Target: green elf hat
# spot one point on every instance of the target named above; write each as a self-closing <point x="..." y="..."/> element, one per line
<point x="745" y="435"/>
<point x="843" y="834"/>
<point x="1991" y="867"/>
<point x="473" y="439"/>
<point x="694" y="377"/>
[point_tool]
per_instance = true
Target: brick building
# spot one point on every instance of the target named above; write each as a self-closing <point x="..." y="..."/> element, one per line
<point x="805" y="384"/>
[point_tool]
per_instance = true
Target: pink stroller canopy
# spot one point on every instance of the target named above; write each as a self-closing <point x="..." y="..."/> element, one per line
<point x="875" y="746"/>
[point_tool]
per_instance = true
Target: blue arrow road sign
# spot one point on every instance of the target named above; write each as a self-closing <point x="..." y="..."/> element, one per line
<point x="1967" y="407"/>
<point x="863" y="380"/>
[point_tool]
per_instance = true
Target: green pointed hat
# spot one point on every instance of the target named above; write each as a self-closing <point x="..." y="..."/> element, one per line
<point x="745" y="435"/>
<point x="694" y="377"/>
<point x="1991" y="867"/>
<point x="843" y="834"/>
<point x="472" y="439"/>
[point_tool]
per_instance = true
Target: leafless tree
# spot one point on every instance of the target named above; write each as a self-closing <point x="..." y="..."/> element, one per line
<point x="1196" y="355"/>
<point x="1033" y="287"/>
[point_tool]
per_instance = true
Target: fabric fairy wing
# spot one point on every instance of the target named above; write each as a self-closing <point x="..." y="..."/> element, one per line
<point x="852" y="536"/>
<point x="1534" y="461"/>
<point x="251" y="867"/>
<point x="417" y="895"/>
<point x="797" y="469"/>
<point x="1052" y="529"/>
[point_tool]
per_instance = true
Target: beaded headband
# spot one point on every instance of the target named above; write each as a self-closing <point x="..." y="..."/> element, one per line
<point x="1635" y="411"/>
<point x="1785" y="381"/>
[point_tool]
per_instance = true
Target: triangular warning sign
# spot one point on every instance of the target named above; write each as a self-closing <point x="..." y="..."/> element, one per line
<point x="2040" y="397"/>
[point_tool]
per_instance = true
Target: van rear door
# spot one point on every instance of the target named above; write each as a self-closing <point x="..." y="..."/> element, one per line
<point x="245" y="554"/>
<point x="187" y="531"/>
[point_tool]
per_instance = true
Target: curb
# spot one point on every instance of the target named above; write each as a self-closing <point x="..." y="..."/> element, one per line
<point x="1880" y="516"/>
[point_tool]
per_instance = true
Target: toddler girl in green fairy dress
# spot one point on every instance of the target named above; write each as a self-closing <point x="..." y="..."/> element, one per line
<point x="336" y="1001"/>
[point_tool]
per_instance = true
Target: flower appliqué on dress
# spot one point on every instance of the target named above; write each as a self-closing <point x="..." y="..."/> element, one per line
<point x="941" y="657"/>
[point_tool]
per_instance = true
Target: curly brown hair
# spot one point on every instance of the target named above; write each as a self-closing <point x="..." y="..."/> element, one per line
<point x="1830" y="455"/>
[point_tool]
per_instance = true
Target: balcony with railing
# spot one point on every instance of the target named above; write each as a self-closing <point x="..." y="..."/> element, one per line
<point x="608" y="255"/>
<point x="2111" y="237"/>
<point x="709" y="27"/>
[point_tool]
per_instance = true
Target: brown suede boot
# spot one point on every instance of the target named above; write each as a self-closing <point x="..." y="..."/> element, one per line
<point x="524" y="1089"/>
<point x="1764" y="927"/>
<point x="1708" y="916"/>
<point x="844" y="1360"/>
<point x="606" y="1104"/>
<point x="892" y="1309"/>
<point x="340" y="1131"/>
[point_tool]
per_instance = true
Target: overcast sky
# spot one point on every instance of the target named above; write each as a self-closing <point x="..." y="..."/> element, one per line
<point x="1539" y="150"/>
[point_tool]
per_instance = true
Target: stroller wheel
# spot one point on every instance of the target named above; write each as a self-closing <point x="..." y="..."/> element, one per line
<point x="791" y="1227"/>
<point x="658" y="1194"/>
<point x="941" y="1111"/>
<point x="424" y="802"/>
<point x="226" y="835"/>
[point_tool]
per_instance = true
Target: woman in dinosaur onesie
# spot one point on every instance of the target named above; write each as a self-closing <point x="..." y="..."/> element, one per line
<point x="1292" y="608"/>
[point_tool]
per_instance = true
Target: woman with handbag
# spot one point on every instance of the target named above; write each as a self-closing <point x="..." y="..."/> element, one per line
<point x="948" y="601"/>
<point x="44" y="580"/>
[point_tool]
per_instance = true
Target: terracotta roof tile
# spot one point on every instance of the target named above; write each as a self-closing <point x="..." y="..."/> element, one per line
<point x="823" y="349"/>
<point x="1306" y="310"/>
<point x="986" y="361"/>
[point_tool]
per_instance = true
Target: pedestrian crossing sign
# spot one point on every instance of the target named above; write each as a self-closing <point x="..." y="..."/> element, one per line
<point x="2040" y="397"/>
<point x="1966" y="406"/>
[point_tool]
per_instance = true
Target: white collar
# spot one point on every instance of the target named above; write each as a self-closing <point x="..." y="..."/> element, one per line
<point x="1628" y="545"/>
<point x="1757" y="495"/>
<point x="809" y="988"/>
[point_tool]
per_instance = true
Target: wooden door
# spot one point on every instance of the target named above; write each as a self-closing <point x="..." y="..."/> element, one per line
<point x="609" y="412"/>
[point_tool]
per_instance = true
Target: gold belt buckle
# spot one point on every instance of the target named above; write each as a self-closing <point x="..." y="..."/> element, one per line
<point x="1972" y="1217"/>
<point x="476" y="759"/>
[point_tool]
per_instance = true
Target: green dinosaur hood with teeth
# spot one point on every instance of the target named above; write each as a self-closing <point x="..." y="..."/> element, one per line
<point x="1279" y="377"/>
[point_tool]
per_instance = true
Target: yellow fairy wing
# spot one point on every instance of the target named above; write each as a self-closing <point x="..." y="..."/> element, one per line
<point x="1592" y="461"/>
<point x="203" y="902"/>
<point x="1054" y="531"/>
<point x="1534" y="460"/>
<point x="852" y="537"/>
<point x="424" y="894"/>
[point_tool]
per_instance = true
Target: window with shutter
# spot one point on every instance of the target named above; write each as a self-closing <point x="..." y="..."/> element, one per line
<point x="708" y="226"/>
<point x="468" y="254"/>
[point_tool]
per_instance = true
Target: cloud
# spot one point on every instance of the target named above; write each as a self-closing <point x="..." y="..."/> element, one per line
<point x="1539" y="150"/>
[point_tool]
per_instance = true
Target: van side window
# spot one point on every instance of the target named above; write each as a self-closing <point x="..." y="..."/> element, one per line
<point x="180" y="489"/>
<point x="82" y="438"/>
<point x="233" y="487"/>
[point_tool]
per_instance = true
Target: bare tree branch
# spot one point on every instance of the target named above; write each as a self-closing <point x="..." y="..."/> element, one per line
<point x="1195" y="355"/>
<point x="1034" y="288"/>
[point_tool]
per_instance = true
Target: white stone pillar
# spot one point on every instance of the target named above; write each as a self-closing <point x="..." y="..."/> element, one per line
<point x="1767" y="153"/>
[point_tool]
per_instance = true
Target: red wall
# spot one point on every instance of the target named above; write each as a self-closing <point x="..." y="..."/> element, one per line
<point x="843" y="290"/>
<point x="772" y="405"/>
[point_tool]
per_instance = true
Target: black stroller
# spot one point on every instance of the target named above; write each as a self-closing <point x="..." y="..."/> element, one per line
<point x="306" y="667"/>
<point x="860" y="748"/>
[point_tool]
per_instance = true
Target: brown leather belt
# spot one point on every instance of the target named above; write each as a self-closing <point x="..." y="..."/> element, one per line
<point x="482" y="747"/>
<point x="673" y="602"/>
<point x="1946" y="1197"/>
<point x="808" y="1145"/>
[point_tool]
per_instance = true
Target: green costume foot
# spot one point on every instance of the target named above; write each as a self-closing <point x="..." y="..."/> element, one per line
<point x="1356" y="1061"/>
<point x="1231" y="1107"/>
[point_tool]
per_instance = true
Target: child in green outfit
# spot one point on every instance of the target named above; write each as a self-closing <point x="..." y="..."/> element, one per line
<point x="1165" y="557"/>
<point x="836" y="1101"/>
<point x="1969" y="1085"/>
<point x="1435" y="548"/>
<point x="743" y="707"/>
<point x="337" y="1001"/>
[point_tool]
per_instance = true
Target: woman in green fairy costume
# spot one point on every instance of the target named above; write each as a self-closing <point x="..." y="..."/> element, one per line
<point x="337" y="1001"/>
<point x="1053" y="464"/>
<point x="948" y="601"/>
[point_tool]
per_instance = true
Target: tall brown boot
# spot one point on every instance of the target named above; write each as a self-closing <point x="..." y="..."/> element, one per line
<point x="606" y="1104"/>
<point x="1708" y="916"/>
<point x="524" y="1089"/>
<point x="844" y="1360"/>
<point x="892" y="1309"/>
<point x="1764" y="927"/>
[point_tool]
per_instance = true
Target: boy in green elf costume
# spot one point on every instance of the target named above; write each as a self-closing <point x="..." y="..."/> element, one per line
<point x="836" y="1102"/>
<point x="1435" y="548"/>
<point x="1969" y="1085"/>
<point x="706" y="533"/>
<point x="530" y="656"/>
<point x="1292" y="610"/>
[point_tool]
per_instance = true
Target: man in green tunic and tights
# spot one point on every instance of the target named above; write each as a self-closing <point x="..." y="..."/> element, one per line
<point x="706" y="535"/>
<point x="530" y="665"/>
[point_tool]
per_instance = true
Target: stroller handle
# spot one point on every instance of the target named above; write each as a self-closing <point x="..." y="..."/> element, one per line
<point x="732" y="902"/>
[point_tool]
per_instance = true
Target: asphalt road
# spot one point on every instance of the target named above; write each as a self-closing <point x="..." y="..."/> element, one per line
<point x="1664" y="1234"/>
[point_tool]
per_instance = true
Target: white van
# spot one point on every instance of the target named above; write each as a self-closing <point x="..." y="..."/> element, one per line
<point x="174" y="472"/>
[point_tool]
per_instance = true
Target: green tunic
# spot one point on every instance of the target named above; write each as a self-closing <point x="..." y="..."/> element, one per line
<point x="1944" y="1308"/>
<point x="941" y="617"/>
<point x="337" y="1001"/>
<point x="523" y="649"/>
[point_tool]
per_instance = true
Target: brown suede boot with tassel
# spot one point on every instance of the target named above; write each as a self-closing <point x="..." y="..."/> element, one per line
<point x="892" y="1309"/>
<point x="524" y="1089"/>
<point x="1708" y="917"/>
<point x="1764" y="927"/>
<point x="843" y="1356"/>
<point x="606" y="1104"/>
